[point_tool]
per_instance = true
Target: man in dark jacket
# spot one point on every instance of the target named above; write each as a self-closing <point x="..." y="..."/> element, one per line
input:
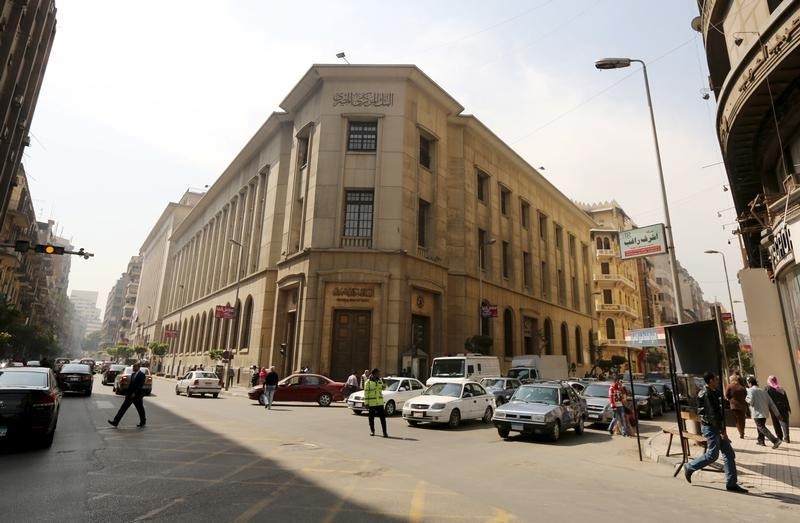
<point x="134" y="395"/>
<point x="709" y="408"/>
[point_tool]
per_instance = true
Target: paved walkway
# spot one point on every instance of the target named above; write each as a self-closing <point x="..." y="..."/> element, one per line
<point x="762" y="470"/>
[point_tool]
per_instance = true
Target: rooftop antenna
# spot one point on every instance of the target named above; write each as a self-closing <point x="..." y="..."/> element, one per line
<point x="342" y="57"/>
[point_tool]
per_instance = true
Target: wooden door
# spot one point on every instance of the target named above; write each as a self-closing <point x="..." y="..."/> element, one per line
<point x="351" y="343"/>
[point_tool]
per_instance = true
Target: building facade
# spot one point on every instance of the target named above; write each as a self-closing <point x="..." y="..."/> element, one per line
<point x="753" y="52"/>
<point x="112" y="315"/>
<point x="85" y="316"/>
<point x="365" y="226"/>
<point x="17" y="270"/>
<point x="27" y="29"/>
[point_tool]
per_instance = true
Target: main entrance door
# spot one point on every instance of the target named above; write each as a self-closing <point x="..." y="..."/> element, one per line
<point x="351" y="343"/>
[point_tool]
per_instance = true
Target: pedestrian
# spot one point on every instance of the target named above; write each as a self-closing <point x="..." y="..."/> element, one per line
<point x="740" y="379"/>
<point x="262" y="375"/>
<point x="134" y="395"/>
<point x="253" y="376"/>
<point x="709" y="408"/>
<point x="616" y="398"/>
<point x="270" y="386"/>
<point x="231" y="374"/>
<point x="201" y="367"/>
<point x="760" y="405"/>
<point x="737" y="399"/>
<point x="373" y="399"/>
<point x="304" y="370"/>
<point x="364" y="378"/>
<point x="351" y="385"/>
<point x="779" y="398"/>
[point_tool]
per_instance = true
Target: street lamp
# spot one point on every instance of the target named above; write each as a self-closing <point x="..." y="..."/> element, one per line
<point x="235" y="336"/>
<point x="481" y="248"/>
<point x="617" y="63"/>
<point x="730" y="298"/>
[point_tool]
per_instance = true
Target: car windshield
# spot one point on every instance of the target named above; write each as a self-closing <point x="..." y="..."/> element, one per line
<point x="546" y="395"/>
<point x="448" y="369"/>
<point x="444" y="389"/>
<point x="205" y="375"/>
<point x="76" y="367"/>
<point x="641" y="390"/>
<point x="23" y="379"/>
<point x="493" y="383"/>
<point x="596" y="391"/>
<point x="391" y="384"/>
<point x="117" y="368"/>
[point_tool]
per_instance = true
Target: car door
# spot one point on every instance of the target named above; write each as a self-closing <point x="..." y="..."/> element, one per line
<point x="403" y="393"/>
<point x="567" y="408"/>
<point x="288" y="389"/>
<point x="485" y="399"/>
<point x="310" y="388"/>
<point x="577" y="406"/>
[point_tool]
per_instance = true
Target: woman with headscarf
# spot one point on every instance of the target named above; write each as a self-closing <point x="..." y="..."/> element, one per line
<point x="781" y="401"/>
<point x="737" y="399"/>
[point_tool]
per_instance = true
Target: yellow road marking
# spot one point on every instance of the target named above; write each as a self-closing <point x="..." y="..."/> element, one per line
<point x="501" y="516"/>
<point x="417" y="503"/>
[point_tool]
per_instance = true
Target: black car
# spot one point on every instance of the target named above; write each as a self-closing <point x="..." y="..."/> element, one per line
<point x="75" y="377"/>
<point x="111" y="373"/>
<point x="648" y="402"/>
<point x="29" y="404"/>
<point x="667" y="397"/>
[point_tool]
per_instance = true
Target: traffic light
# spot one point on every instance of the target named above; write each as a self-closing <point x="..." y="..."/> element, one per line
<point x="48" y="249"/>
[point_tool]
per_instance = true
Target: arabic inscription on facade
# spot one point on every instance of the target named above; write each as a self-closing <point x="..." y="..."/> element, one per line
<point x="363" y="99"/>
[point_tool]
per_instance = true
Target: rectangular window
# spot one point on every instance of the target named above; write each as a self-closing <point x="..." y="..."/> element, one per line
<point x="559" y="236"/>
<point x="607" y="296"/>
<point x="575" y="298"/>
<point x="483" y="186"/>
<point x="358" y="214"/>
<point x="542" y="227"/>
<point x="571" y="246"/>
<point x="362" y="136"/>
<point x="545" y="281"/>
<point x="605" y="268"/>
<point x="526" y="269"/>
<point x="505" y="201"/>
<point x="425" y="152"/>
<point x="423" y="214"/>
<point x="562" y="288"/>
<point x="525" y="214"/>
<point x="506" y="253"/>
<point x="482" y="249"/>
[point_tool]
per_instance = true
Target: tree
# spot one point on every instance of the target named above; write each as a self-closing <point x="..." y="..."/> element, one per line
<point x="124" y="352"/>
<point x="732" y="344"/>
<point x="215" y="354"/>
<point x="140" y="351"/>
<point x="112" y="352"/>
<point x="159" y="348"/>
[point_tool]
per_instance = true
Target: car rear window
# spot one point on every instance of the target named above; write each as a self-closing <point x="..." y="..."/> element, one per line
<point x="23" y="379"/>
<point x="206" y="375"/>
<point x="77" y="367"/>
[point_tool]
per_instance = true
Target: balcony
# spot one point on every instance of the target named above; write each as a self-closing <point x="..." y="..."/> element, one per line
<point x="618" y="308"/>
<point x="361" y="242"/>
<point x="605" y="254"/>
<point x="614" y="342"/>
<point x="606" y="280"/>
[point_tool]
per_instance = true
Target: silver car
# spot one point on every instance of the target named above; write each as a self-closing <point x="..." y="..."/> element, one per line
<point x="597" y="402"/>
<point x="541" y="408"/>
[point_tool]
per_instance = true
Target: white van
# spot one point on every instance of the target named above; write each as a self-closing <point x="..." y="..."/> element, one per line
<point x="463" y="367"/>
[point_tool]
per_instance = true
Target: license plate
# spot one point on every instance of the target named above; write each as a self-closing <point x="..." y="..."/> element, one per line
<point x="417" y="414"/>
<point x="3" y="431"/>
<point x="209" y="383"/>
<point x="359" y="404"/>
<point x="73" y="379"/>
<point x="516" y="426"/>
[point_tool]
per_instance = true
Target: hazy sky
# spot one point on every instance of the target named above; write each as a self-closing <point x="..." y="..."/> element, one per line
<point x="144" y="99"/>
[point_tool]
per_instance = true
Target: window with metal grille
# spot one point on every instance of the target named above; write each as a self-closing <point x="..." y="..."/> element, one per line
<point x="362" y="136"/>
<point x="358" y="213"/>
<point x="425" y="152"/>
<point x="423" y="214"/>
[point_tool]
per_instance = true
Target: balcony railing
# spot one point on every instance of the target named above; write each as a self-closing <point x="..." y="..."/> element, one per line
<point x="605" y="253"/>
<point x="611" y="341"/>
<point x="614" y="279"/>
<point x="617" y="307"/>
<point x="363" y="242"/>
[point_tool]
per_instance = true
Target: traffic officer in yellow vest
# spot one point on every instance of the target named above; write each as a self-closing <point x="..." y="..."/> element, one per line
<point x="373" y="398"/>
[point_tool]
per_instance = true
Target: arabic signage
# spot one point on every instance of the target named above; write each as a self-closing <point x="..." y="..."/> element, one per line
<point x="489" y="311"/>
<point x="225" y="312"/>
<point x="363" y="99"/>
<point x="171" y="333"/>
<point x="650" y="337"/>
<point x="781" y="248"/>
<point x="644" y="241"/>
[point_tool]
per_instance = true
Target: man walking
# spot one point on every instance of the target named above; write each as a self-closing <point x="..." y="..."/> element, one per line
<point x="709" y="408"/>
<point x="270" y="386"/>
<point x="134" y="395"/>
<point x="351" y="385"/>
<point x="760" y="407"/>
<point x="373" y="399"/>
<point x="616" y="397"/>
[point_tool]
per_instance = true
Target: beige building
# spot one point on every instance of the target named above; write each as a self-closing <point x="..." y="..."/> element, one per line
<point x="363" y="227"/>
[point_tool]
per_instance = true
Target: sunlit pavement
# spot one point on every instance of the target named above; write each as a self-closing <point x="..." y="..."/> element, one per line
<point x="228" y="459"/>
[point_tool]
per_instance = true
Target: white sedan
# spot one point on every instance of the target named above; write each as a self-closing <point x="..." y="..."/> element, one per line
<point x="398" y="390"/>
<point x="450" y="403"/>
<point x="199" y="382"/>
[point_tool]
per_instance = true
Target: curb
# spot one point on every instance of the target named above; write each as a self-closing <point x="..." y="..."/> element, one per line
<point x="655" y="456"/>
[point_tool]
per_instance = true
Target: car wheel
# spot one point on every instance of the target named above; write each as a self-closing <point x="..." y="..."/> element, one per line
<point x="188" y="392"/>
<point x="177" y="392"/>
<point x="412" y="422"/>
<point x="390" y="409"/>
<point x="555" y="434"/>
<point x="261" y="400"/>
<point x="579" y="426"/>
<point x="487" y="415"/>
<point x="215" y="395"/>
<point x="651" y="413"/>
<point x="503" y="433"/>
<point x="325" y="400"/>
<point x="455" y="419"/>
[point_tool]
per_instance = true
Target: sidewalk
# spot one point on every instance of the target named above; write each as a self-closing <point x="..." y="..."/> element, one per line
<point x="761" y="469"/>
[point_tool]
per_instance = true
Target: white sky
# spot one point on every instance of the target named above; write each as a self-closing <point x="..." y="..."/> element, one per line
<point x="144" y="99"/>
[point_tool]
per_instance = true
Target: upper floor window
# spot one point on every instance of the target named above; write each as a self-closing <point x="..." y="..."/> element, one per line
<point x="571" y="246"/>
<point x="526" y="269"/>
<point x="482" y="185"/>
<point x="482" y="242"/>
<point x="362" y="136"/>
<point x="358" y="213"/>
<point x="426" y="146"/>
<point x="525" y="214"/>
<point x="505" y="201"/>
<point x="559" y="236"/>
<point x="423" y="218"/>
<point x="506" y="254"/>
<point x="543" y="227"/>
<point x="302" y="151"/>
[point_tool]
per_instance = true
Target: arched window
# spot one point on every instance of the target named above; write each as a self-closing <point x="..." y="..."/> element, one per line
<point x="599" y="242"/>
<point x="247" y="322"/>
<point x="224" y="342"/>
<point x="508" y="333"/>
<point x="606" y="243"/>
<point x="565" y="341"/>
<point x="215" y="336"/>
<point x="209" y="330"/>
<point x="182" y="337"/>
<point x="578" y="346"/>
<point x="548" y="336"/>
<point x="201" y="344"/>
<point x="236" y="324"/>
<point x="611" y="332"/>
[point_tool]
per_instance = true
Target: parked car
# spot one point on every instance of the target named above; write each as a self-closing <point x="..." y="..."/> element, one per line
<point x="304" y="387"/>
<point x="667" y="397"/>
<point x="90" y="362"/>
<point x="60" y="361"/>
<point x="397" y="391"/>
<point x="598" y="406"/>
<point x="111" y="373"/>
<point x="542" y="408"/>
<point x="502" y="388"/>
<point x="33" y="363"/>
<point x="200" y="382"/>
<point x="29" y="404"/>
<point x="123" y="380"/>
<point x="450" y="403"/>
<point x="74" y="377"/>
<point x="577" y="385"/>
<point x="648" y="401"/>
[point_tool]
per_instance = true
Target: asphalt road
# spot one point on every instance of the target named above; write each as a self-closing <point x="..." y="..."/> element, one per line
<point x="227" y="459"/>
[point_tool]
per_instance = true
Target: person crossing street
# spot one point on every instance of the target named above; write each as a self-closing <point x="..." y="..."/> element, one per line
<point x="133" y="396"/>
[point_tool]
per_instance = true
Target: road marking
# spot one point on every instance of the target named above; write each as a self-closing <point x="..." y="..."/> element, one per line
<point x="157" y="511"/>
<point x="501" y="516"/>
<point x="417" y="503"/>
<point x="103" y="404"/>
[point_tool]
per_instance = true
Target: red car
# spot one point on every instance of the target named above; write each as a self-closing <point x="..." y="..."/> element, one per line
<point x="304" y="387"/>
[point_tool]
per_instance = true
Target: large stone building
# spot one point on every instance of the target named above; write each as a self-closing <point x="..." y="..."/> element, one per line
<point x="27" y="29"/>
<point x="17" y="269"/>
<point x="120" y="306"/>
<point x="753" y="52"/>
<point x="364" y="226"/>
<point x="85" y="317"/>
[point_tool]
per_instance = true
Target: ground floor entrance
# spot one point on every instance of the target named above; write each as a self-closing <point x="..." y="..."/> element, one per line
<point x="350" y="351"/>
